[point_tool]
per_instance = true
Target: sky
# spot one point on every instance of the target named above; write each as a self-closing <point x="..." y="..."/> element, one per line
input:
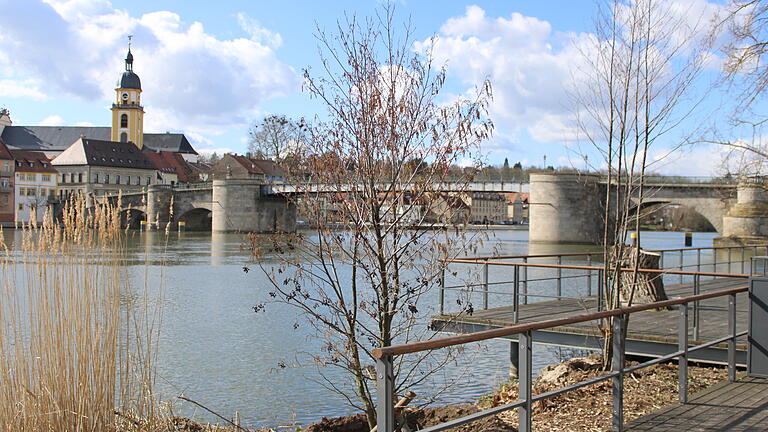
<point x="211" y="69"/>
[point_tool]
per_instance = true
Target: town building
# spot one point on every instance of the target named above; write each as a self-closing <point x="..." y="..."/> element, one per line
<point x="444" y="208"/>
<point x="35" y="186"/>
<point x="7" y="191"/>
<point x="517" y="207"/>
<point x="127" y="126"/>
<point x="94" y="167"/>
<point x="242" y="167"/>
<point x="487" y="208"/>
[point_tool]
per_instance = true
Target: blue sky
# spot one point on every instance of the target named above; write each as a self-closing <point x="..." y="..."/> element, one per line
<point x="209" y="69"/>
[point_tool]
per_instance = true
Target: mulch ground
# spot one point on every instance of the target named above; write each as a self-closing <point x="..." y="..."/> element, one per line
<point x="586" y="409"/>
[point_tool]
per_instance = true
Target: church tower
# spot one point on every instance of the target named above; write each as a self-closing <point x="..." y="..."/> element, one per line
<point x="127" y="112"/>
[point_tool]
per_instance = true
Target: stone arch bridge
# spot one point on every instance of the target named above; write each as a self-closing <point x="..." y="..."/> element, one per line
<point x="223" y="206"/>
<point x="568" y="208"/>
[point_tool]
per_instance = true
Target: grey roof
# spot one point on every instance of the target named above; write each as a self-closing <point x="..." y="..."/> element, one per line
<point x="130" y="80"/>
<point x="172" y="142"/>
<point x="58" y="138"/>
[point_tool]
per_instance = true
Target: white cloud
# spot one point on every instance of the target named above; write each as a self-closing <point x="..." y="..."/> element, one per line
<point x="52" y="120"/>
<point x="192" y="80"/>
<point x="20" y="89"/>
<point x="84" y="123"/>
<point x="219" y="151"/>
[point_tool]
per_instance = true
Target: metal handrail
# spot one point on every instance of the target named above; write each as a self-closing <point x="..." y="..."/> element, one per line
<point x="385" y="377"/>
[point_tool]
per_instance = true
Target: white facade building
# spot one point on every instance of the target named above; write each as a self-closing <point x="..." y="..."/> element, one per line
<point x="35" y="186"/>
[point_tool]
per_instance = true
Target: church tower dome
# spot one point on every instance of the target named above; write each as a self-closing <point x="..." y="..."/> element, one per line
<point x="127" y="112"/>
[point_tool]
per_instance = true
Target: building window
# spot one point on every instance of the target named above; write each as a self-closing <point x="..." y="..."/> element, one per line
<point x="149" y="180"/>
<point x="128" y="180"/>
<point x="45" y="177"/>
<point x="117" y="179"/>
<point x="21" y="207"/>
<point x="31" y="177"/>
<point x="7" y="166"/>
<point x="72" y="178"/>
<point x="124" y="121"/>
<point x="80" y="177"/>
<point x="138" y="181"/>
<point x="106" y="178"/>
<point x="96" y="178"/>
<point x="123" y="137"/>
<point x="43" y="192"/>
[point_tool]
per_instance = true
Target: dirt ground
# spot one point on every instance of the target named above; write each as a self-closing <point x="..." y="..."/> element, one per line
<point x="586" y="409"/>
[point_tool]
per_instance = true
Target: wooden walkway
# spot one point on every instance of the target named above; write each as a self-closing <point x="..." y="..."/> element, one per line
<point x="738" y="406"/>
<point x="651" y="333"/>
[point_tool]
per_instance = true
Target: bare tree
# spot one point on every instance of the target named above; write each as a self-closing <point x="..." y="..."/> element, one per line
<point x="633" y="89"/>
<point x="374" y="168"/>
<point x="276" y="137"/>
<point x="746" y="28"/>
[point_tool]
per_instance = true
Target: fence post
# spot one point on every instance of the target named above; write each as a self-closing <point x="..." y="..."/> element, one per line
<point x="742" y="260"/>
<point x="385" y="412"/>
<point x="696" y="316"/>
<point x="617" y="365"/>
<point x="600" y="277"/>
<point x="732" y="340"/>
<point x="682" y="361"/>
<point x="485" y="285"/>
<point x="525" y="281"/>
<point x="589" y="276"/>
<point x="559" y="277"/>
<point x="516" y="294"/>
<point x="524" y="384"/>
<point x="698" y="260"/>
<point x="442" y="292"/>
<point x="730" y="250"/>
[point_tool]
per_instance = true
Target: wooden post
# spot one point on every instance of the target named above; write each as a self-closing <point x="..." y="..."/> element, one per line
<point x="682" y="361"/>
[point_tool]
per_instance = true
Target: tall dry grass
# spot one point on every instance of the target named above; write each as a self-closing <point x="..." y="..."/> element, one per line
<point x="76" y="353"/>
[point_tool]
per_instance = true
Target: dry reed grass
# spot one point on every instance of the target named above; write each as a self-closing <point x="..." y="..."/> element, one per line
<point x="76" y="354"/>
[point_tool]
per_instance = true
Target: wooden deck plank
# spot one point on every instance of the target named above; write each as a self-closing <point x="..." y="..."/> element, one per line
<point x="738" y="406"/>
<point x="657" y="326"/>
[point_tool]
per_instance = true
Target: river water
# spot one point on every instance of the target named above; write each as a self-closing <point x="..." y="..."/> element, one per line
<point x="214" y="349"/>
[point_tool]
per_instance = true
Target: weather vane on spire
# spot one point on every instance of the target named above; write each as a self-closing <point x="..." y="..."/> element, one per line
<point x="129" y="41"/>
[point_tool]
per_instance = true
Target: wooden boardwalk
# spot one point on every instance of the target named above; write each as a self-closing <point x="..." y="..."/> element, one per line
<point x="738" y="406"/>
<point x="650" y="333"/>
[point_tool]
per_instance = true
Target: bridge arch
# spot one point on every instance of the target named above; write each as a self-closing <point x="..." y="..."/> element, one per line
<point x="652" y="210"/>
<point x="197" y="219"/>
<point x="131" y="218"/>
<point x="711" y="209"/>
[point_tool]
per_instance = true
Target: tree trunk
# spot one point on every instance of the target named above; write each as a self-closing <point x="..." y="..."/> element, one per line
<point x="644" y="287"/>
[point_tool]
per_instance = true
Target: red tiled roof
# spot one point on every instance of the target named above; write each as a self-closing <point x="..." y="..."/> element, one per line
<point x="32" y="161"/>
<point x="512" y="196"/>
<point x="248" y="164"/>
<point x="170" y="162"/>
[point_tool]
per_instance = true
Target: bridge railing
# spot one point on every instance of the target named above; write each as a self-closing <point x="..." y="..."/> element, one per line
<point x="541" y="277"/>
<point x="385" y="382"/>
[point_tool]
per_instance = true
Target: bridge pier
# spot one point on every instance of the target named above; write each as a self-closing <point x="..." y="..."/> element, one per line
<point x="159" y="199"/>
<point x="746" y="222"/>
<point x="565" y="208"/>
<point x="239" y="206"/>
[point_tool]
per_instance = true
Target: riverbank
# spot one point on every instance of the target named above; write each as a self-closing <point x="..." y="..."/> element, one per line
<point x="585" y="409"/>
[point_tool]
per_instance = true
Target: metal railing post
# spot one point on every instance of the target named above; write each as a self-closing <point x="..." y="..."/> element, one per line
<point x="525" y="281"/>
<point x="732" y="340"/>
<point x="442" y="292"/>
<point x="742" y="260"/>
<point x="524" y="384"/>
<point x="730" y="250"/>
<point x="617" y="365"/>
<point x="516" y="294"/>
<point x="698" y="260"/>
<point x="559" y="277"/>
<point x="661" y="260"/>
<point x="600" y="277"/>
<point x="385" y="387"/>
<point x="589" y="276"/>
<point x="696" y="291"/>
<point x="682" y="361"/>
<point x="681" y="266"/>
<point x="485" y="285"/>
